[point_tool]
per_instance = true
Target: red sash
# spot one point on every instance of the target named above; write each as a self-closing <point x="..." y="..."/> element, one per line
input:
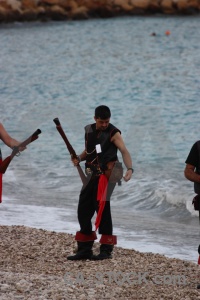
<point x="101" y="197"/>
<point x="1" y="176"/>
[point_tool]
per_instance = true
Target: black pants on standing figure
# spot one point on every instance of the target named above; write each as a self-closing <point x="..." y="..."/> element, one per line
<point x="87" y="207"/>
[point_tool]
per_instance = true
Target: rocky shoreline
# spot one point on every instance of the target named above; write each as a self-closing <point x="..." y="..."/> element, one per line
<point x="60" y="10"/>
<point x="33" y="265"/>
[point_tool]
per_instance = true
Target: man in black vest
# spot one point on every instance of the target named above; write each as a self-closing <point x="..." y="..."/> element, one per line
<point x="192" y="173"/>
<point x="102" y="141"/>
<point x="192" y="169"/>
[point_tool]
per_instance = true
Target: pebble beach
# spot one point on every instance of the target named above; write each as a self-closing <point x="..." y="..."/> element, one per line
<point x="33" y="265"/>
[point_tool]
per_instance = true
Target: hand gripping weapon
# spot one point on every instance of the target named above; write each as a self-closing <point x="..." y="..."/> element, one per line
<point x="70" y="149"/>
<point x="5" y="163"/>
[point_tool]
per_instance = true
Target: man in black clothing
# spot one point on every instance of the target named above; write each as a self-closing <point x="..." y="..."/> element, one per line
<point x="192" y="173"/>
<point x="192" y="169"/>
<point x="102" y="141"/>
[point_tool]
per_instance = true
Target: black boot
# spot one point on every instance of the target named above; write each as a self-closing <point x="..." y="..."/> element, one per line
<point x="84" y="251"/>
<point x="107" y="244"/>
<point x="105" y="252"/>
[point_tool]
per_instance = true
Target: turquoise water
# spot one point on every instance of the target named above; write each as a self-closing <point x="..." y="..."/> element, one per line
<point x="151" y="84"/>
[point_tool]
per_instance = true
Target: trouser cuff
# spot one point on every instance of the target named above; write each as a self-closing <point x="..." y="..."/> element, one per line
<point x="108" y="239"/>
<point x="81" y="237"/>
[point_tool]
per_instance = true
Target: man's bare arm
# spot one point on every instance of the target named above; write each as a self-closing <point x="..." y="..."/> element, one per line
<point x="119" y="143"/>
<point x="81" y="157"/>
<point x="6" y="138"/>
<point x="190" y="174"/>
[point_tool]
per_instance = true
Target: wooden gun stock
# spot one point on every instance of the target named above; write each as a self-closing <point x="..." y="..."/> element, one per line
<point x="70" y="149"/>
<point x="5" y="163"/>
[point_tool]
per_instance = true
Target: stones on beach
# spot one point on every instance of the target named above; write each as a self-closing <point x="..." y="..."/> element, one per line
<point x="4" y="287"/>
<point x="33" y="265"/>
<point x="23" y="286"/>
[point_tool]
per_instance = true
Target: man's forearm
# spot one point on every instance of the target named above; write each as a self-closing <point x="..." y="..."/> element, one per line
<point x="127" y="160"/>
<point x="192" y="176"/>
<point x="83" y="155"/>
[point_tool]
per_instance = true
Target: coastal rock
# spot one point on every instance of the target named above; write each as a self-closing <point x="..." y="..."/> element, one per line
<point x="182" y="5"/>
<point x="168" y="6"/>
<point x="143" y="4"/>
<point x="9" y="11"/>
<point x="31" y="10"/>
<point x="14" y="4"/>
<point x="154" y="6"/>
<point x="140" y="7"/>
<point x="57" y="13"/>
<point x="123" y="5"/>
<point x="188" y="6"/>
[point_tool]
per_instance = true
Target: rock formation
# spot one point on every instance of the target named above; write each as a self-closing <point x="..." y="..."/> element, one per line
<point x="45" y="10"/>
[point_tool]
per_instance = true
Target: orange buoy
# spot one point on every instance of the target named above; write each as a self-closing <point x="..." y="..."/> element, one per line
<point x="167" y="32"/>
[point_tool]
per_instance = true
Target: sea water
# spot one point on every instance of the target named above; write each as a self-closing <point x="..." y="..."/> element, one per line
<point x="151" y="84"/>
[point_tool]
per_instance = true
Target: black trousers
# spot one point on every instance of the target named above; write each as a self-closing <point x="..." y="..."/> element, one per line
<point x="88" y="205"/>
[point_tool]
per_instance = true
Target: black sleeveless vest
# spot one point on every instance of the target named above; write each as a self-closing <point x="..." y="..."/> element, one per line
<point x="94" y="137"/>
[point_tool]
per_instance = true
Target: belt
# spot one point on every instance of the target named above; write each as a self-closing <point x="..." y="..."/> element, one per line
<point x="93" y="169"/>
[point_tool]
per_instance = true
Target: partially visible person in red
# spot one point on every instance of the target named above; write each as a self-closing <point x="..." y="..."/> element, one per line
<point x="10" y="142"/>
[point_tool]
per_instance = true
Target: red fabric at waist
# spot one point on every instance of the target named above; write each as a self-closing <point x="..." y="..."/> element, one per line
<point x="101" y="197"/>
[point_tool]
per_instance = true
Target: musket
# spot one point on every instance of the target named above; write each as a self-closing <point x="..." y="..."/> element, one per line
<point x="5" y="163"/>
<point x="70" y="149"/>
